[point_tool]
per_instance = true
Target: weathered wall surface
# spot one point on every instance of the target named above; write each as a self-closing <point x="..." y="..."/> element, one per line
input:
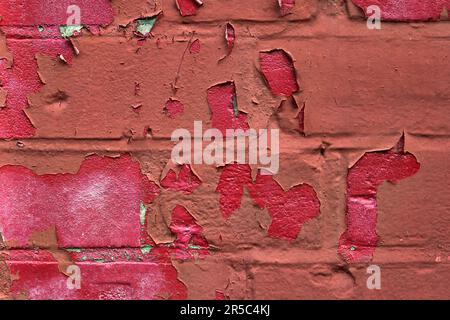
<point x="86" y="177"/>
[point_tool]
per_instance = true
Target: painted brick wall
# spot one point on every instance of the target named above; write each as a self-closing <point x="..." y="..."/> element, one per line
<point x="86" y="177"/>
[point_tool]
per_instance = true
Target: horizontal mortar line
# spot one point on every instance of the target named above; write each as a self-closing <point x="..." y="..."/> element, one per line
<point x="319" y="36"/>
<point x="87" y="262"/>
<point x="320" y="135"/>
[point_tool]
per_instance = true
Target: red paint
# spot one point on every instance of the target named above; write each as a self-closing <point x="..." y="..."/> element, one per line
<point x="51" y="12"/>
<point x="358" y="242"/>
<point x="194" y="48"/>
<point x="189" y="235"/>
<point x="278" y="69"/>
<point x="220" y="295"/>
<point x="97" y="207"/>
<point x="231" y="185"/>
<point x="230" y="36"/>
<point x="186" y="181"/>
<point x="286" y="6"/>
<point x="174" y="108"/>
<point x="289" y="209"/>
<point x="188" y="7"/>
<point x="222" y="102"/>
<point x="22" y="80"/>
<point x="20" y="19"/>
<point x="38" y="278"/>
<point x="406" y="10"/>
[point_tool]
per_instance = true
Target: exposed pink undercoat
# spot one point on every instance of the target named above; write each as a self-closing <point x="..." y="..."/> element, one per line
<point x="174" y="108"/>
<point x="406" y="10"/>
<point x="222" y="101"/>
<point x="358" y="242"/>
<point x="231" y="185"/>
<point x="286" y="6"/>
<point x="188" y="7"/>
<point x="189" y="235"/>
<point x="38" y="277"/>
<point x="289" y="209"/>
<point x="97" y="207"/>
<point x="22" y="79"/>
<point x="186" y="181"/>
<point x="278" y="69"/>
<point x="53" y="12"/>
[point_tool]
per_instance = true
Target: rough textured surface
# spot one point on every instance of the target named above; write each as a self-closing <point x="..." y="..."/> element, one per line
<point x="408" y="10"/>
<point x="86" y="179"/>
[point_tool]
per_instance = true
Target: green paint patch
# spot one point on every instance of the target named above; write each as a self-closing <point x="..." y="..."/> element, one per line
<point x="74" y="250"/>
<point x="68" y="31"/>
<point x="145" y="26"/>
<point x="99" y="260"/>
<point x="235" y="107"/>
<point x="191" y="246"/>
<point x="40" y="28"/>
<point x="127" y="256"/>
<point x="84" y="258"/>
<point x="146" y="249"/>
<point x="143" y="213"/>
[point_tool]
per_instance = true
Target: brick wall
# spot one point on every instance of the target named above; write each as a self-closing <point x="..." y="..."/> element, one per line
<point x="86" y="177"/>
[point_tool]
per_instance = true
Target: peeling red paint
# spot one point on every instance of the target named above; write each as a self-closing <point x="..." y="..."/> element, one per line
<point x="286" y="6"/>
<point x="231" y="185"/>
<point x="278" y="69"/>
<point x="81" y="206"/>
<point x="22" y="79"/>
<point x="220" y="295"/>
<point x="358" y="242"/>
<point x="118" y="280"/>
<point x="222" y="102"/>
<point x="290" y="117"/>
<point x="195" y="47"/>
<point x="289" y="209"/>
<point x="20" y="19"/>
<point x="186" y="181"/>
<point x="406" y="10"/>
<point x="173" y="108"/>
<point x="188" y="7"/>
<point x="189" y="235"/>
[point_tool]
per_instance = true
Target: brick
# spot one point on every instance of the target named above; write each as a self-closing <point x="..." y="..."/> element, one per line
<point x="406" y="10"/>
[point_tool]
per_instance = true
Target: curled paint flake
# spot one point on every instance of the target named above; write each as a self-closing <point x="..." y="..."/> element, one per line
<point x="173" y="108"/>
<point x="186" y="182"/>
<point x="290" y="117"/>
<point x="286" y="6"/>
<point x="195" y="47"/>
<point x="289" y="209"/>
<point x="189" y="237"/>
<point x="357" y="244"/>
<point x="222" y="102"/>
<point x="230" y="36"/>
<point x="188" y="7"/>
<point x="278" y="70"/>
